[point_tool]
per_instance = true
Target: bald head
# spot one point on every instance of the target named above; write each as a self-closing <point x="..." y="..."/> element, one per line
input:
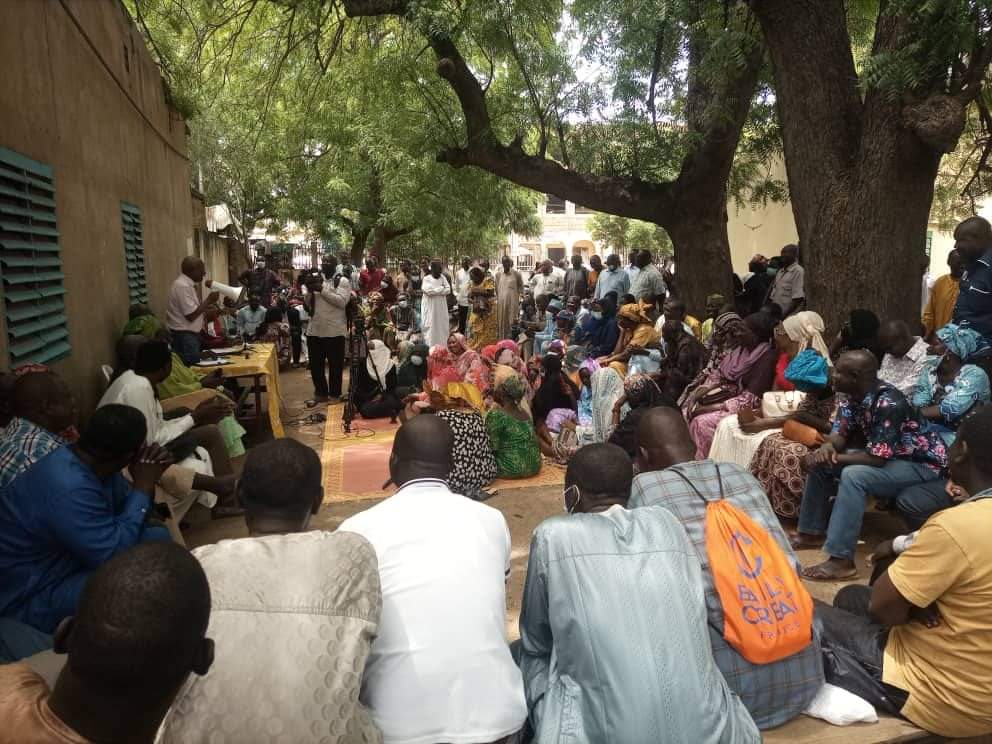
<point x="422" y="449"/>
<point x="856" y="373"/>
<point x="663" y="439"/>
<point x="194" y="268"/>
<point x="127" y="352"/>
<point x="896" y="338"/>
<point x="972" y="238"/>
<point x="44" y="399"/>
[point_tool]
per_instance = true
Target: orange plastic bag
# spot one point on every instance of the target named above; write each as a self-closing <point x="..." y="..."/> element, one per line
<point x="767" y="612"/>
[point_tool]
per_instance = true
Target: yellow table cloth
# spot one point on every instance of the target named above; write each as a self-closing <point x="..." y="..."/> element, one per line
<point x="262" y="359"/>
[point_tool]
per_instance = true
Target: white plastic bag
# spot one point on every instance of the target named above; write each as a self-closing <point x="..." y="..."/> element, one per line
<point x="840" y="707"/>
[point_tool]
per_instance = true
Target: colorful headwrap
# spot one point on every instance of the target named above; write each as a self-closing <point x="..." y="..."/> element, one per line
<point x="556" y="304"/>
<point x="634" y="313"/>
<point x="375" y="297"/>
<point x="508" y="344"/>
<point x="636" y="387"/>
<point x="555" y="348"/>
<point x="727" y="320"/>
<point x="460" y="341"/>
<point x="566" y="315"/>
<point x="806" y="329"/>
<point x="490" y="352"/>
<point x="961" y="342"/>
<point x="808" y="371"/>
<point x="512" y="388"/>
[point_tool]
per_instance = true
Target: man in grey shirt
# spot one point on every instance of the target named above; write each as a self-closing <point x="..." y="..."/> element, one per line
<point x="614" y="644"/>
<point x="648" y="285"/>
<point x="788" y="289"/>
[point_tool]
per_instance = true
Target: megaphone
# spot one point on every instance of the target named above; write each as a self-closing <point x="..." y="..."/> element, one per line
<point x="235" y="294"/>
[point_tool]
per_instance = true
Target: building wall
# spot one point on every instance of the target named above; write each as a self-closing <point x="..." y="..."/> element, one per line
<point x="79" y="92"/>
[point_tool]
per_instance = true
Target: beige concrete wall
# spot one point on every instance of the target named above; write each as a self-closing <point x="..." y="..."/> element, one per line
<point x="80" y="92"/>
<point x="762" y="229"/>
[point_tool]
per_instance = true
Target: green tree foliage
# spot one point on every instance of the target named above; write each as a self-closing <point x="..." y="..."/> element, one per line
<point x="622" y="234"/>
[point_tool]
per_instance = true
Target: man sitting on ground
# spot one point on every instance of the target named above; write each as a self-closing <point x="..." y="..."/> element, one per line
<point x="73" y="511"/>
<point x="905" y="356"/>
<point x="923" y="632"/>
<point x="138" y="634"/>
<point x="597" y="666"/>
<point x="775" y="692"/>
<point x="684" y="359"/>
<point x="900" y="450"/>
<point x="42" y="405"/>
<point x="194" y="439"/>
<point x="440" y="669"/>
<point x="317" y="592"/>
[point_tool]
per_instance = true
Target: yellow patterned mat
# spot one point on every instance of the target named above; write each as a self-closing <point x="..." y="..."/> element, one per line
<point x="339" y="446"/>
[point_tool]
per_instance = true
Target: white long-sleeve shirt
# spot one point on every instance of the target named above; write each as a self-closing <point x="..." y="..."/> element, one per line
<point x="131" y="389"/>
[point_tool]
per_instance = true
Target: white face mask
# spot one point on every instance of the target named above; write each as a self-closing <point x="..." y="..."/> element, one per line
<point x="564" y="499"/>
<point x="403" y="304"/>
<point x="597" y="315"/>
<point x="383" y="284"/>
<point x="416" y="360"/>
<point x="260" y="265"/>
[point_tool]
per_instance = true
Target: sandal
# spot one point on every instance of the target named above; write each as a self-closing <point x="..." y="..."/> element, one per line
<point x="823" y="572"/>
<point x="805" y="542"/>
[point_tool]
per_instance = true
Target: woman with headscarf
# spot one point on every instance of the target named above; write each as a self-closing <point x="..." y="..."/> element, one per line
<point x="378" y="324"/>
<point x="482" y="320"/>
<point x="739" y="436"/>
<point x="726" y="329"/>
<point x="470" y="365"/>
<point x="745" y="374"/>
<point x="441" y="369"/>
<point x="374" y="389"/>
<point x="637" y="334"/>
<point x="564" y="326"/>
<point x="508" y="357"/>
<point x="640" y="393"/>
<point x="511" y="432"/>
<point x="949" y="387"/>
<point x="607" y="389"/>
<point x="411" y="370"/>
<point x="599" y="330"/>
<point x="778" y="461"/>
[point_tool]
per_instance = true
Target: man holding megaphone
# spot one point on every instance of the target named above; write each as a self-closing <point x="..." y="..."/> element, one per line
<point x="187" y="311"/>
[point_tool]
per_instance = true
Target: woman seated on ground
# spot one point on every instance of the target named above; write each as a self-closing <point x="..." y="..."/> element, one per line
<point x="948" y="387"/>
<point x="374" y="389"/>
<point x="721" y="343"/>
<point x="553" y="406"/>
<point x="640" y="394"/>
<point x="473" y="462"/>
<point x="411" y="369"/>
<point x="511" y="431"/>
<point x="404" y="318"/>
<point x="508" y="355"/>
<point x="378" y="324"/>
<point x="778" y="461"/>
<point x="472" y="368"/>
<point x="744" y="375"/>
<point x="637" y="338"/>
<point x="482" y="302"/>
<point x="275" y="330"/>
<point x="599" y="330"/>
<point x="738" y="436"/>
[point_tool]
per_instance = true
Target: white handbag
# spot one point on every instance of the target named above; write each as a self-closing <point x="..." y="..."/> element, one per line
<point x="782" y="403"/>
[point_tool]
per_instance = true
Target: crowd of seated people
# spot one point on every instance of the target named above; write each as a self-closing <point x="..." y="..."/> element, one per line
<point x="393" y="627"/>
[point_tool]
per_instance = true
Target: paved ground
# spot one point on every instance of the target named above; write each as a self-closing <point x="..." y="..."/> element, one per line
<point x="523" y="508"/>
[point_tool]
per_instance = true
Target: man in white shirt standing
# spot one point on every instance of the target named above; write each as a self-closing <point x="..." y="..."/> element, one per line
<point x="186" y="311"/>
<point x="546" y="281"/>
<point x="905" y="355"/>
<point x="462" y="280"/>
<point x="327" y="303"/>
<point x="434" y="306"/>
<point x="440" y="668"/>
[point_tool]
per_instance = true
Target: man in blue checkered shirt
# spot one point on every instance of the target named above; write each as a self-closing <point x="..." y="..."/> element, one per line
<point x="773" y="693"/>
<point x="42" y="405"/>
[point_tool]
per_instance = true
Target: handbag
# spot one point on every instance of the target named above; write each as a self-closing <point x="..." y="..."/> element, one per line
<point x="806" y="435"/>
<point x="781" y="404"/>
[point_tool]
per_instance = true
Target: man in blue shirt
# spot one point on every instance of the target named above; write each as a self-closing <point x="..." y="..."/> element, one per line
<point x="71" y="512"/>
<point x="614" y="279"/>
<point x="973" y="241"/>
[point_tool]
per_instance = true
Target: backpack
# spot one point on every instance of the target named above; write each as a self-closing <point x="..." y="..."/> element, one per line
<point x="767" y="612"/>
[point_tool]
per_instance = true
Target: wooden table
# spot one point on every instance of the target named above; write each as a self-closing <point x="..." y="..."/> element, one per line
<point x="262" y="367"/>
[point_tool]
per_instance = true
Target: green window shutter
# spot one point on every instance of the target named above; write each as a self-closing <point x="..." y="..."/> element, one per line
<point x="30" y="264"/>
<point x="134" y="253"/>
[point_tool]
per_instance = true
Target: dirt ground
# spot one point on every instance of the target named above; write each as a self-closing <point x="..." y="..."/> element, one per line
<point x="523" y="509"/>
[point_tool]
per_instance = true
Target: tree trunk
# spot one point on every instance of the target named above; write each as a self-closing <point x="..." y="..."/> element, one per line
<point x="702" y="254"/>
<point x="359" y="237"/>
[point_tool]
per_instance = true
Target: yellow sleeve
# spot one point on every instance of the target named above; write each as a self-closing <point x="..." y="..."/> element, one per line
<point x="929" y="567"/>
<point x="928" y="311"/>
